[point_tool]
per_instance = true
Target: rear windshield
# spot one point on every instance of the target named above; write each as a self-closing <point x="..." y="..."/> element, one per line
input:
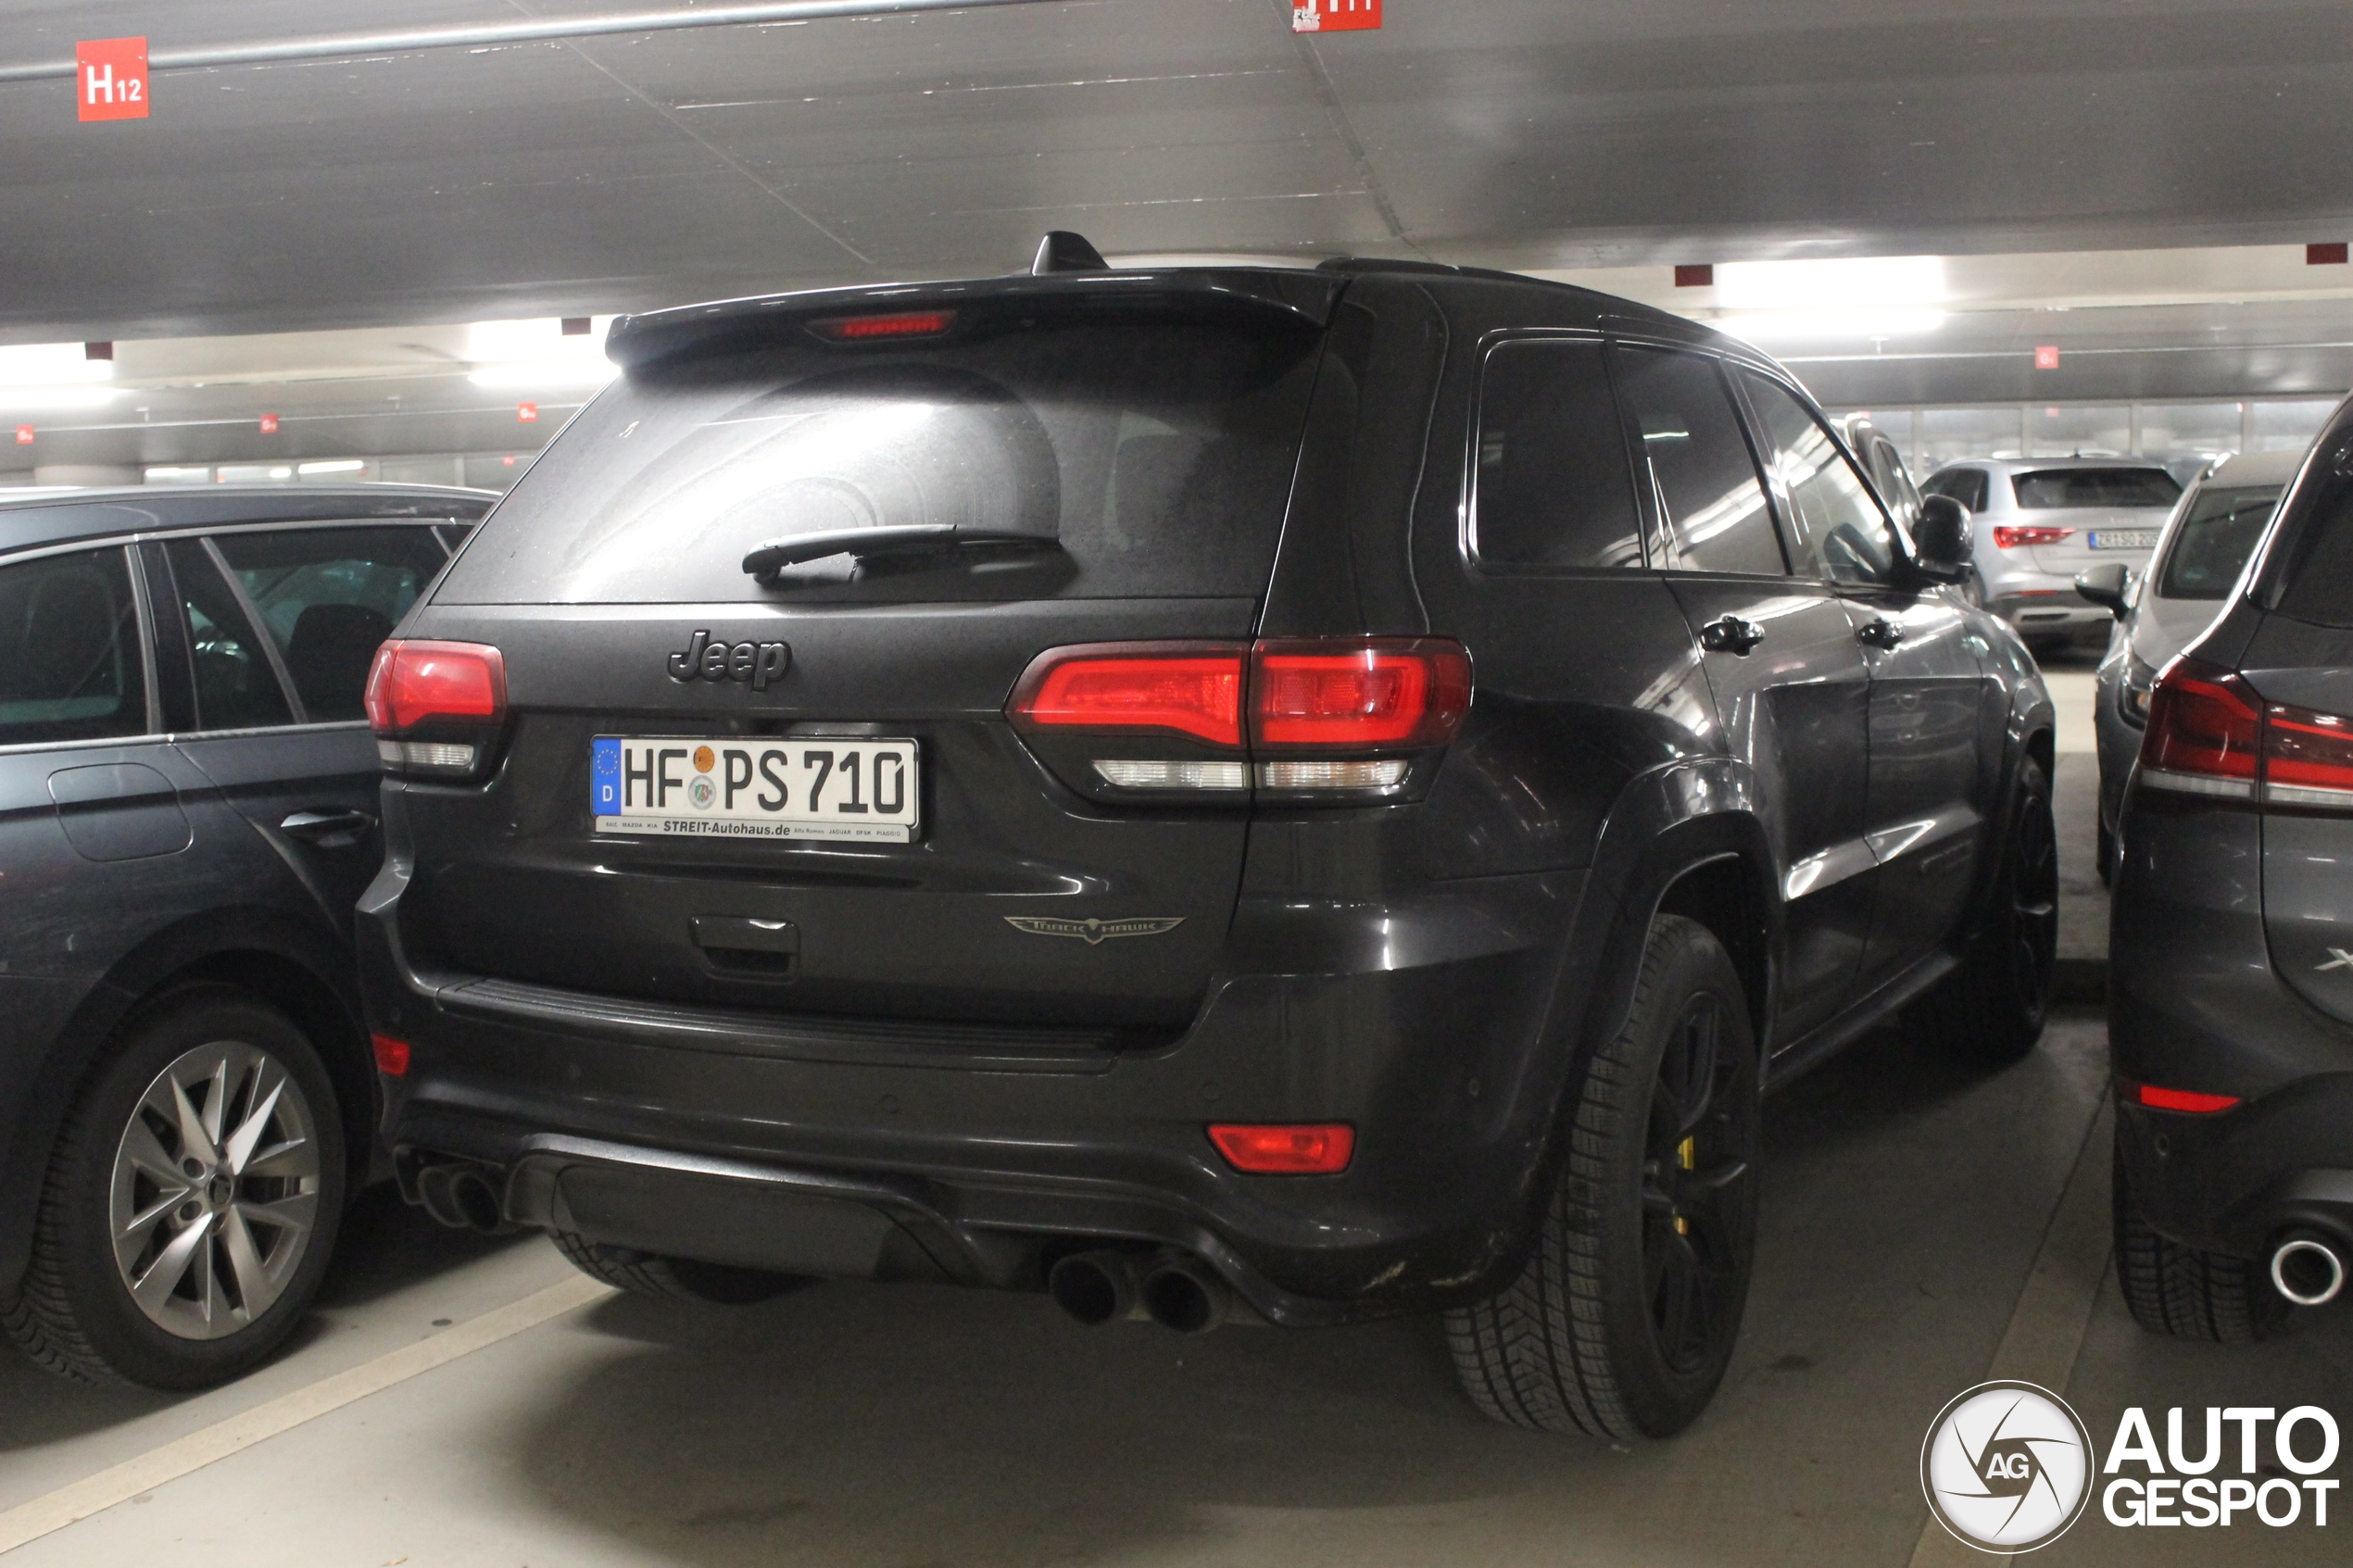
<point x="1156" y="454"/>
<point x="2213" y="541"/>
<point x="2096" y="487"/>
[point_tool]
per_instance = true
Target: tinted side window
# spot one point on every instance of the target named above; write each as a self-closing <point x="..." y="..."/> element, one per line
<point x="236" y="688"/>
<point x="2214" y="541"/>
<point x="2318" y="583"/>
<point x="71" y="668"/>
<point x="1555" y="487"/>
<point x="328" y="596"/>
<point x="1842" y="534"/>
<point x="1700" y="464"/>
<point x="1965" y="485"/>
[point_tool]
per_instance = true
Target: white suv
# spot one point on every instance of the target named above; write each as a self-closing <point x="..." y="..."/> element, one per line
<point x="2039" y="520"/>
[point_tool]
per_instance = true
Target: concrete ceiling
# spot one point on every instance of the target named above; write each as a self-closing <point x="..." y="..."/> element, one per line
<point x="622" y="174"/>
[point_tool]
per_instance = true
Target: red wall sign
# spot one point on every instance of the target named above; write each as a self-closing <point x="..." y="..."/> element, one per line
<point x="111" y="78"/>
<point x="2047" y="356"/>
<point x="527" y="412"/>
<point x="268" y="424"/>
<point x="1334" y="16"/>
<point x="24" y="436"/>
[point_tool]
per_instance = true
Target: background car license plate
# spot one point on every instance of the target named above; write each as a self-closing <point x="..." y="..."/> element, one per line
<point x="819" y="788"/>
<point x="2121" y="539"/>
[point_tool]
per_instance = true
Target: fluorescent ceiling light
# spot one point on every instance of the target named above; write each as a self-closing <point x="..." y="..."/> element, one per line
<point x="1839" y="284"/>
<point x="547" y="375"/>
<point x="1783" y="326"/>
<point x="341" y="465"/>
<point x="53" y="399"/>
<point x="51" y="364"/>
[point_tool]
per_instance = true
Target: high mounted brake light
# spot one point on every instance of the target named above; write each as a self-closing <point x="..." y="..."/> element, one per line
<point x="436" y="706"/>
<point x="2210" y="734"/>
<point x="901" y="324"/>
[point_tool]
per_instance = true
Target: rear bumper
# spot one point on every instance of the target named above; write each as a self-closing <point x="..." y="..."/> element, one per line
<point x="2196" y="1004"/>
<point x="2040" y="610"/>
<point x="808" y="1148"/>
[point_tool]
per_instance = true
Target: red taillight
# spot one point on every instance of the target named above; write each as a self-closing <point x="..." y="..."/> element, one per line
<point x="902" y="323"/>
<point x="1134" y="689"/>
<point x="413" y="682"/>
<point x="1380" y="692"/>
<point x="1313" y="1150"/>
<point x="2190" y="1101"/>
<point x="2210" y="732"/>
<point x="2205" y="732"/>
<point x="2307" y="757"/>
<point x="391" y="1056"/>
<point x="2010" y="536"/>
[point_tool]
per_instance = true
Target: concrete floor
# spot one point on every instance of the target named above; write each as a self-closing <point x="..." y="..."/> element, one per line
<point x="1926" y="1226"/>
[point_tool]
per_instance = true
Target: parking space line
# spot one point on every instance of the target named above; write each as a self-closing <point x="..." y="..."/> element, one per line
<point x="67" y="1505"/>
<point x="2054" y="1310"/>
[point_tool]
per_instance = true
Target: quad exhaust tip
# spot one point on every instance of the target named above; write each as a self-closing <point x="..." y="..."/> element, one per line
<point x="461" y="1198"/>
<point x="1094" y="1287"/>
<point x="2308" y="1270"/>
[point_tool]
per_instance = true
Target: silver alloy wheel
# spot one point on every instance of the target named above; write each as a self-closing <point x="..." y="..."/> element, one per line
<point x="216" y="1190"/>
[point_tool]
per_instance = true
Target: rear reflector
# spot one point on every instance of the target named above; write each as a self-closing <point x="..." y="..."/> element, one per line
<point x="903" y="323"/>
<point x="2205" y="733"/>
<point x="2009" y="536"/>
<point x="413" y="683"/>
<point x="391" y="1056"/>
<point x="1122" y="773"/>
<point x="1314" y="1150"/>
<point x="1376" y="692"/>
<point x="2183" y="1099"/>
<point x="1133" y="691"/>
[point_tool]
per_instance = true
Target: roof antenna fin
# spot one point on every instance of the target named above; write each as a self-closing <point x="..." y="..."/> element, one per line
<point x="1061" y="251"/>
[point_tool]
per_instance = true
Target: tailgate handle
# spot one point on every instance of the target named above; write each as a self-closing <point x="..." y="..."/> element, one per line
<point x="759" y="947"/>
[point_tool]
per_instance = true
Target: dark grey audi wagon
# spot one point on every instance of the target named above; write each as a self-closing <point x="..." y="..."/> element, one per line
<point x="187" y="815"/>
<point x="1312" y="794"/>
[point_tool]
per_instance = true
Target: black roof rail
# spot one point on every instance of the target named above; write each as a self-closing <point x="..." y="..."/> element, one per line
<point x="1383" y="264"/>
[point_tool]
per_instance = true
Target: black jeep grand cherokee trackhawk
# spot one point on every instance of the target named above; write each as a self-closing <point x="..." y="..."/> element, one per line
<point x="1317" y="794"/>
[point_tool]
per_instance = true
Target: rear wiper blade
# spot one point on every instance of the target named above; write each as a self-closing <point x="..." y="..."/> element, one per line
<point x="879" y="543"/>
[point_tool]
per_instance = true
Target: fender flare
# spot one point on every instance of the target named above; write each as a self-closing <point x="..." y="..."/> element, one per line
<point x="184" y="946"/>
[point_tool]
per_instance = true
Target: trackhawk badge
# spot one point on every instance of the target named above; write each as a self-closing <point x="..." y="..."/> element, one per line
<point x="1094" y="931"/>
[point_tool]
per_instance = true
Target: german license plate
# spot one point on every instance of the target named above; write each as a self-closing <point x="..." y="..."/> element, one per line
<point x="2123" y="539"/>
<point x="863" y="790"/>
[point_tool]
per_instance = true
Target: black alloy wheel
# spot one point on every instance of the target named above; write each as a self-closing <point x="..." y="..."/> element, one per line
<point x="1623" y="1319"/>
<point x="1698" y="1188"/>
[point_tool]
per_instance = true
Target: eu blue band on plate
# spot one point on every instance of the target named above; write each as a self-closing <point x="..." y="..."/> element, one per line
<point x="604" y="777"/>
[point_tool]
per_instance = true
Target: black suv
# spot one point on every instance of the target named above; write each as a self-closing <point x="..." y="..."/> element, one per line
<point x="1316" y="792"/>
<point x="2231" y="956"/>
<point x="187" y="815"/>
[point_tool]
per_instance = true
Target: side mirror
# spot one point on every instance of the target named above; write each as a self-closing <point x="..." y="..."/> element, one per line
<point x="1942" y="544"/>
<point x="2105" y="585"/>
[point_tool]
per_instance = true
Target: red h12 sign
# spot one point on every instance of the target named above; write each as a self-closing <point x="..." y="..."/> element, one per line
<point x="527" y="412"/>
<point x="268" y="424"/>
<point x="1334" y="16"/>
<point x="111" y="78"/>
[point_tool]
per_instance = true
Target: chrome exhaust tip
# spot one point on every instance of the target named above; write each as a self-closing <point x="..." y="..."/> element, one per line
<point x="2308" y="1270"/>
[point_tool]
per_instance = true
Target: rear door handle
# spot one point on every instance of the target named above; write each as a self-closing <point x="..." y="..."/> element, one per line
<point x="1732" y="634"/>
<point x="317" y="826"/>
<point x="1881" y="632"/>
